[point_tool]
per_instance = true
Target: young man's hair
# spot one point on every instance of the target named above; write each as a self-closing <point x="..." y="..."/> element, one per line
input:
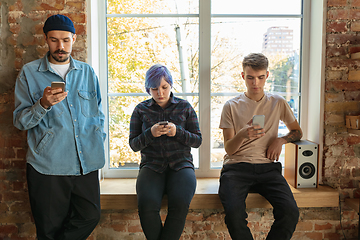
<point x="256" y="61"/>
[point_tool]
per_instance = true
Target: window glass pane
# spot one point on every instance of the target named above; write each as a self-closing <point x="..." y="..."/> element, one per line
<point x="134" y="45"/>
<point x="152" y="6"/>
<point x="234" y="38"/>
<point x="256" y="7"/>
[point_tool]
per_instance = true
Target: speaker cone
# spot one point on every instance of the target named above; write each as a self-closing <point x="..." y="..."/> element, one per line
<point x="307" y="170"/>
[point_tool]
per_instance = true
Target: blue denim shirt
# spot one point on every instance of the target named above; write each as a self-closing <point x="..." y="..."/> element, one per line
<point x="70" y="135"/>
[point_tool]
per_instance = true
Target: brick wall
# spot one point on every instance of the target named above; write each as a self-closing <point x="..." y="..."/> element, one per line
<point x="342" y="95"/>
<point x="21" y="41"/>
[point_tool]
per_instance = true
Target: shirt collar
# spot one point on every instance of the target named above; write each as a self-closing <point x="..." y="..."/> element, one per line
<point x="45" y="64"/>
<point x="173" y="100"/>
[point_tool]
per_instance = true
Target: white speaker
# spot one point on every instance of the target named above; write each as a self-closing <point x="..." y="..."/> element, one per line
<point x="301" y="164"/>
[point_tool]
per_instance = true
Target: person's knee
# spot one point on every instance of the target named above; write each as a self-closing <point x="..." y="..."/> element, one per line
<point x="289" y="213"/>
<point x="149" y="204"/>
<point x="94" y="216"/>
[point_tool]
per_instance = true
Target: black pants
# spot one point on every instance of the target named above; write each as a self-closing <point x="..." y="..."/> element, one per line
<point x="235" y="183"/>
<point x="64" y="207"/>
<point x="150" y="187"/>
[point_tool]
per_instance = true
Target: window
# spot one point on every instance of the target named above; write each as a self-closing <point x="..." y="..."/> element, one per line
<point x="133" y="35"/>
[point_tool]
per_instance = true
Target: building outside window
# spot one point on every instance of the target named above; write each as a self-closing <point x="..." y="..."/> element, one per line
<point x="203" y="43"/>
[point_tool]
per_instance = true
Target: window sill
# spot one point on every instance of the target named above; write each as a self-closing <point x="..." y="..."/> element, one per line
<point x="121" y="194"/>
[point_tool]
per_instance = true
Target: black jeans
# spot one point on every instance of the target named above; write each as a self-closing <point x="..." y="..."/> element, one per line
<point x="179" y="186"/>
<point x="235" y="183"/>
<point x="64" y="207"/>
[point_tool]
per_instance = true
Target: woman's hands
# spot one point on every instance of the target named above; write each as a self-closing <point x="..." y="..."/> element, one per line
<point x="158" y="130"/>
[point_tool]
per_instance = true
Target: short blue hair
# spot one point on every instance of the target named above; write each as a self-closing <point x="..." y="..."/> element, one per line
<point x="154" y="76"/>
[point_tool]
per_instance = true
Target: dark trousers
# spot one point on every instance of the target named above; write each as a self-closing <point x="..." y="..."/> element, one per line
<point x="179" y="186"/>
<point x="64" y="207"/>
<point x="235" y="183"/>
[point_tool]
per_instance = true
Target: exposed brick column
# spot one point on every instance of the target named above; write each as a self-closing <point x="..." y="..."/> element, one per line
<point x="342" y="95"/>
<point x="21" y="41"/>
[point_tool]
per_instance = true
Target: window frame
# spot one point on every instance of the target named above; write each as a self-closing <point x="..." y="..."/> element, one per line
<point x="312" y="71"/>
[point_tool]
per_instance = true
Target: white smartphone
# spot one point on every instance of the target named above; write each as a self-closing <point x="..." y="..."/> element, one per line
<point x="164" y="123"/>
<point x="58" y="85"/>
<point x="259" y="120"/>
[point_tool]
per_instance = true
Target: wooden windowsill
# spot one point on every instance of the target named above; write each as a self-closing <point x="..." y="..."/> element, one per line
<point x="121" y="194"/>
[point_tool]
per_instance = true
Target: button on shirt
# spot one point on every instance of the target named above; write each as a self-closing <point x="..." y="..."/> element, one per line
<point x="158" y="153"/>
<point x="67" y="138"/>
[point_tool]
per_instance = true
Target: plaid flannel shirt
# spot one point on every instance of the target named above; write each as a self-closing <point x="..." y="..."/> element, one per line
<point x="158" y="153"/>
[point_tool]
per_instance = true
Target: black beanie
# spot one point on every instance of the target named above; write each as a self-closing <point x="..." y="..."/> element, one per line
<point x="59" y="22"/>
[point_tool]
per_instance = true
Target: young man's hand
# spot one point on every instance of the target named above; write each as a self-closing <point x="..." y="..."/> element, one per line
<point x="52" y="96"/>
<point x="274" y="150"/>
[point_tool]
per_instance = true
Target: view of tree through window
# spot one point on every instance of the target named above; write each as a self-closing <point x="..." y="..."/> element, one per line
<point x="138" y="36"/>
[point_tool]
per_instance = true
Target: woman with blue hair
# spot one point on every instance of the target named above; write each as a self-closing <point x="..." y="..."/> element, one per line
<point x="164" y="128"/>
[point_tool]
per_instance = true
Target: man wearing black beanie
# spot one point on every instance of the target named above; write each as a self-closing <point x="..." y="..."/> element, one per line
<point x="58" y="102"/>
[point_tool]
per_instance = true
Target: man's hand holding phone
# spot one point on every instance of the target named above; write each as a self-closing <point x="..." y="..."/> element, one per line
<point x="53" y="95"/>
<point x="257" y="127"/>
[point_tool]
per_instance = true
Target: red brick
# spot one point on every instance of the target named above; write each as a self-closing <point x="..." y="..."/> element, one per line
<point x="195" y="217"/>
<point x="15" y="28"/>
<point x="324" y="226"/>
<point x="14" y="218"/>
<point x="75" y="6"/>
<point x="18" y="186"/>
<point x="20" y="206"/>
<point x="355" y="3"/>
<point x="51" y="5"/>
<point x="12" y="40"/>
<point x="77" y="17"/>
<point x="4" y="186"/>
<point x="15" y="16"/>
<point x="19" y="52"/>
<point x="314" y="235"/>
<point x="8" y="229"/>
<point x="338" y="86"/>
<point x="335" y="51"/>
<point x="200" y="226"/>
<point x="332" y="236"/>
<point x="18" y="164"/>
<point x="134" y="228"/>
<point x="354" y="14"/>
<point x="355" y="172"/>
<point x="337" y="3"/>
<point x="15" y="196"/>
<point x="18" y="64"/>
<point x="119" y="227"/>
<point x="21" y="154"/>
<point x="7" y="153"/>
<point x="80" y="29"/>
<point x="339" y="39"/>
<point x="355" y="26"/>
<point x="3" y="207"/>
<point x="353" y="140"/>
<point x="336" y="27"/>
<point x="338" y="14"/>
<point x="304" y="226"/>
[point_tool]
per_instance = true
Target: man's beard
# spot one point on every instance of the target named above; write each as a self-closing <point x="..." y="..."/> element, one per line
<point x="65" y="57"/>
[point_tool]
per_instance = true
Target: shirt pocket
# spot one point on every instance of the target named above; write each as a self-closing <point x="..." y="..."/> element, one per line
<point x="56" y="111"/>
<point x="44" y="141"/>
<point x="88" y="101"/>
<point x="147" y="122"/>
<point x="178" y="120"/>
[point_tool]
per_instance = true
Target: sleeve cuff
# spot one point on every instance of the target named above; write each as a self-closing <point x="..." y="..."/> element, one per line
<point x="40" y="110"/>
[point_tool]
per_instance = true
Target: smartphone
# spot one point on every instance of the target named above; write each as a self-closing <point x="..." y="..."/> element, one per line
<point x="58" y="85"/>
<point x="164" y="123"/>
<point x="259" y="120"/>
